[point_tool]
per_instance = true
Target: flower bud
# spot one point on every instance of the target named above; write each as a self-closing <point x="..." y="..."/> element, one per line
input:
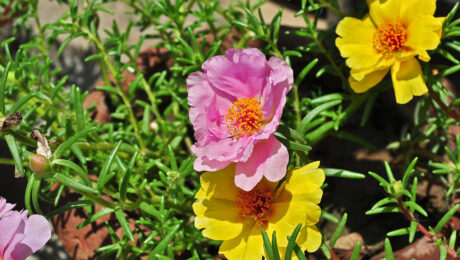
<point x="39" y="164"/>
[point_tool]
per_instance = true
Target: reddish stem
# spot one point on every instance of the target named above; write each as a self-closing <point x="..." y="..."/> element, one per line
<point x="333" y="255"/>
<point x="449" y="112"/>
<point x="424" y="231"/>
<point x="4" y="19"/>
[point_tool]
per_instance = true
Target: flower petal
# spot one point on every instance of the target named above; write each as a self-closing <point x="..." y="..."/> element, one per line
<point x="384" y="11"/>
<point x="423" y="33"/>
<point x="306" y="179"/>
<point x="204" y="164"/>
<point x="240" y="73"/>
<point x="15" y="251"/>
<point x="218" y="184"/>
<point x="10" y="224"/>
<point x="369" y="81"/>
<point x="284" y="219"/>
<point x="407" y="80"/>
<point x="413" y="8"/>
<point x="356" y="42"/>
<point x="37" y="232"/>
<point x="269" y="158"/>
<point x="248" y="245"/>
<point x="5" y="207"/>
<point x="218" y="218"/>
<point x="311" y="238"/>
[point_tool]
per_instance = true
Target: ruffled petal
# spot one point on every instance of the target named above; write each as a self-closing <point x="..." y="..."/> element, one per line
<point x="240" y="73"/>
<point x="311" y="238"/>
<point x="203" y="164"/>
<point x="356" y="42"/>
<point x="284" y="219"/>
<point x="5" y="207"/>
<point x="407" y="80"/>
<point x="10" y="224"/>
<point x="306" y="179"/>
<point x="422" y="33"/>
<point x="218" y="218"/>
<point x="16" y="251"/>
<point x="37" y="232"/>
<point x="384" y="11"/>
<point x="218" y="184"/>
<point x="369" y="81"/>
<point x="269" y="158"/>
<point x="413" y="8"/>
<point x="248" y="245"/>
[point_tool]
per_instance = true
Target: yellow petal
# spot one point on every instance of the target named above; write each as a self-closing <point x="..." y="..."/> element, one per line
<point x="306" y="179"/>
<point x="248" y="245"/>
<point x="407" y="80"/>
<point x="384" y="11"/>
<point x="413" y="8"/>
<point x="284" y="219"/>
<point x="313" y="197"/>
<point x="368" y="81"/>
<point x="356" y="42"/>
<point x="220" y="184"/>
<point x="311" y="238"/>
<point x="218" y="218"/>
<point x="423" y="33"/>
<point x="313" y="213"/>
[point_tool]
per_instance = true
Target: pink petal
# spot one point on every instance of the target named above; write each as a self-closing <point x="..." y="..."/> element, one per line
<point x="37" y="232"/>
<point x="269" y="159"/>
<point x="203" y="164"/>
<point x="10" y="224"/>
<point x="9" y="252"/>
<point x="5" y="207"/>
<point x="240" y="73"/>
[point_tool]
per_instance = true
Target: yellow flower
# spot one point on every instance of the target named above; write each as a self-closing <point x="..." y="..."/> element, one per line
<point x="390" y="36"/>
<point x="227" y="213"/>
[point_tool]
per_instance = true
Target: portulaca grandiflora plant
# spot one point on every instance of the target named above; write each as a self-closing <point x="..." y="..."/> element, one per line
<point x="231" y="135"/>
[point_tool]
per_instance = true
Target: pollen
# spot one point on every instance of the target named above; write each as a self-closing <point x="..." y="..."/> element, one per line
<point x="255" y="204"/>
<point x="390" y="38"/>
<point x="244" y="117"/>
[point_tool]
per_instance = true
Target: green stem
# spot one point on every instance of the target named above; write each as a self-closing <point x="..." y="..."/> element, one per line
<point x="332" y="8"/>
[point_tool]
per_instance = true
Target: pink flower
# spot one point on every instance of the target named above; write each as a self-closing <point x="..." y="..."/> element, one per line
<point x="21" y="236"/>
<point x="236" y="105"/>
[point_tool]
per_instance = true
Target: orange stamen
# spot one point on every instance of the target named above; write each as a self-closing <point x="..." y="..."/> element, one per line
<point x="244" y="118"/>
<point x="255" y="204"/>
<point x="390" y="38"/>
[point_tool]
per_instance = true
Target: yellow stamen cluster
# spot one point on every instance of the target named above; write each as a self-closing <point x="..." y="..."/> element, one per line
<point x="390" y="38"/>
<point x="244" y="117"/>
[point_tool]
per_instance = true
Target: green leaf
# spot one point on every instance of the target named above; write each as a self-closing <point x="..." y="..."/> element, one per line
<point x="124" y="224"/>
<point x="384" y="201"/>
<point x="75" y="167"/>
<point x="382" y="181"/>
<point x="338" y="230"/>
<point x="398" y="232"/>
<point x="453" y="239"/>
<point x="73" y="184"/>
<point x="412" y="230"/>
<point x="125" y="181"/>
<point x="313" y="113"/>
<point x="292" y="243"/>
<point x="96" y="216"/>
<point x="3" y="87"/>
<point x="390" y="176"/>
<point x="412" y="205"/>
<point x="408" y="172"/>
<point x="388" y="250"/>
<point x="367" y="109"/>
<point x="389" y="209"/>
<point x="276" y="253"/>
<point x="11" y="141"/>
<point x="328" y="216"/>
<point x="69" y="206"/>
<point x="69" y="142"/>
<point x="331" y="172"/>
<point x="356" y="249"/>
<point x="35" y="193"/>
<point x="445" y="218"/>
<point x="103" y="175"/>
<point x="165" y="241"/>
<point x="442" y="253"/>
<point x="305" y="71"/>
<point x="268" y="246"/>
<point x="28" y="193"/>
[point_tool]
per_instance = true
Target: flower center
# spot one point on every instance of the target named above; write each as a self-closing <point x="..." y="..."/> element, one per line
<point x="255" y="204"/>
<point x="244" y="118"/>
<point x="389" y="37"/>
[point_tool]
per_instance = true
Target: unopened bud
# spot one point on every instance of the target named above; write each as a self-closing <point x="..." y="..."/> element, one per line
<point x="398" y="187"/>
<point x="39" y="164"/>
